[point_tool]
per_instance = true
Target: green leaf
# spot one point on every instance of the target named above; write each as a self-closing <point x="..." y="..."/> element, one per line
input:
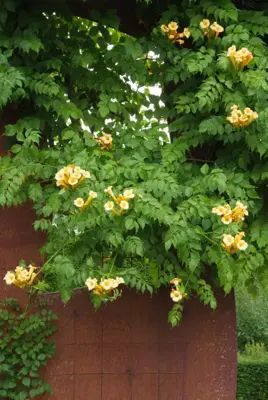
<point x="134" y="245"/>
<point x="68" y="134"/>
<point x="213" y="303"/>
<point x="26" y="382"/>
<point x="204" y="169"/>
<point x="16" y="148"/>
<point x="133" y="48"/>
<point x="96" y="300"/>
<point x="129" y="223"/>
<point x="41" y="357"/>
<point x="228" y="287"/>
<point x="22" y="396"/>
<point x="194" y="261"/>
<point x="104" y="111"/>
<point x="10" y="79"/>
<point x="153" y="271"/>
<point x="35" y="191"/>
<point x="113" y="107"/>
<point x="33" y="393"/>
<point x="206" y="223"/>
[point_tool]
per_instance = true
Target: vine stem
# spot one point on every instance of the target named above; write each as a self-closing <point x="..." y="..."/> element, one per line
<point x="208" y="238"/>
<point x="200" y="160"/>
<point x="50" y="293"/>
<point x="113" y="263"/>
<point x="48" y="261"/>
<point x="32" y="288"/>
<point x="29" y="300"/>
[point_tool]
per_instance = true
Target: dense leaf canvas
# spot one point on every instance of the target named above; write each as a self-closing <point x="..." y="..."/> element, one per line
<point x="77" y="93"/>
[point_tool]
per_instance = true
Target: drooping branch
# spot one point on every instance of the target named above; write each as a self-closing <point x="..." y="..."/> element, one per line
<point x="135" y="18"/>
<point x="130" y="23"/>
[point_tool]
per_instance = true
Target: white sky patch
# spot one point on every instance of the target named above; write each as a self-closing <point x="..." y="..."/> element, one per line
<point x="156" y="90"/>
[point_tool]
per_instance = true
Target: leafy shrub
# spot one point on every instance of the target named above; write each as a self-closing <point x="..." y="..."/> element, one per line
<point x="252" y="381"/>
<point x="24" y="349"/>
<point x="252" y="318"/>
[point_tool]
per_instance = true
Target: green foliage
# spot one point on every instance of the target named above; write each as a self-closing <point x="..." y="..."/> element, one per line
<point x="67" y="79"/>
<point x="252" y="318"/>
<point x="205" y="293"/>
<point x="175" y="314"/>
<point x="252" y="381"/>
<point x="25" y="348"/>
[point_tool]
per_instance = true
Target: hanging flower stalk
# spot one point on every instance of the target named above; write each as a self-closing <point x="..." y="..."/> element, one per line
<point x="81" y="204"/>
<point x="233" y="244"/>
<point x="239" y="119"/>
<point x="172" y="33"/>
<point x="106" y="141"/>
<point x="229" y="215"/>
<point x="211" y="31"/>
<point x="105" y="286"/>
<point x="71" y="176"/>
<point x="230" y="243"/>
<point x="239" y="58"/>
<point x="21" y="277"/>
<point x="177" y="291"/>
<point x="122" y="201"/>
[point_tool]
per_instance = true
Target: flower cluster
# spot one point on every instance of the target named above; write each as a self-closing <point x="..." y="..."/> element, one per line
<point x="229" y="215"/>
<point x="172" y="32"/>
<point x="239" y="119"/>
<point x="81" y="204"/>
<point x="106" y="141"/>
<point x="71" y="176"/>
<point x="239" y="58"/>
<point x="177" y="293"/>
<point x="211" y="31"/>
<point x="21" y="277"/>
<point x="105" y="286"/>
<point x="232" y="244"/>
<point x="122" y="201"/>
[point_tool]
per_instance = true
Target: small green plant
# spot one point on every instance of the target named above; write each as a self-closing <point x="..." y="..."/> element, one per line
<point x="255" y="350"/>
<point x="24" y="349"/>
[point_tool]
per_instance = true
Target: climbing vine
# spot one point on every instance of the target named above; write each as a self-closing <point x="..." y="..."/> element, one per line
<point x="137" y="187"/>
<point x="25" y="348"/>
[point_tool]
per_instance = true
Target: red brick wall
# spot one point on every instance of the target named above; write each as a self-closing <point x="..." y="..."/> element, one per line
<point x="127" y="351"/>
